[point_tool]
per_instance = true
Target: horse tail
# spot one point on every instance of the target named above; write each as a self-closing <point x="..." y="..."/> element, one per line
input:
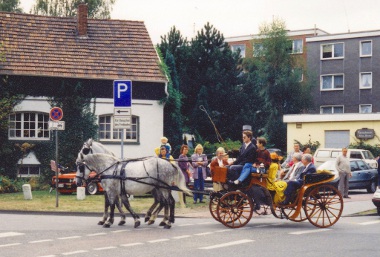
<point x="181" y="182"/>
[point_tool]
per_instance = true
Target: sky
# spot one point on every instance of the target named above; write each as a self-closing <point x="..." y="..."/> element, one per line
<point x="244" y="17"/>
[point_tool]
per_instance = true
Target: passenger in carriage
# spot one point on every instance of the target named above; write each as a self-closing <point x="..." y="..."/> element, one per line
<point x="263" y="155"/>
<point x="294" y="172"/>
<point x="293" y="185"/>
<point x="245" y="161"/>
<point x="219" y="161"/>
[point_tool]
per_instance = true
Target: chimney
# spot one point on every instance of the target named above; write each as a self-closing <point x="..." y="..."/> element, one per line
<point x="82" y="20"/>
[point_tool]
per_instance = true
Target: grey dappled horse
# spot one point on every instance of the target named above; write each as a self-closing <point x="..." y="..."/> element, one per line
<point x="137" y="177"/>
<point x="91" y="147"/>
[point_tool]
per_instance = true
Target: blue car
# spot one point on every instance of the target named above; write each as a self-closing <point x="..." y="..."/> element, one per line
<point x="363" y="176"/>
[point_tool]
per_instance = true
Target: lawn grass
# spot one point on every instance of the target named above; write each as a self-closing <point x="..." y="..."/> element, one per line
<point x="46" y="202"/>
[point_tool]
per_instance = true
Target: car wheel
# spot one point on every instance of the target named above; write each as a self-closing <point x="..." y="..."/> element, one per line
<point x="372" y="187"/>
<point x="92" y="188"/>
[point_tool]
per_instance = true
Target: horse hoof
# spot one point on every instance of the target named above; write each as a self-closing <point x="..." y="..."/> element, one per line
<point x="137" y="224"/>
<point x="162" y="224"/>
<point x="171" y="220"/>
<point x="101" y="223"/>
<point x="150" y="222"/>
<point x="167" y="226"/>
<point x="106" y="226"/>
<point x="121" y="223"/>
<point x="147" y="219"/>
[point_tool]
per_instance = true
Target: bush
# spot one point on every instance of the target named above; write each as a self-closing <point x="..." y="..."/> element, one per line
<point x="361" y="145"/>
<point x="8" y="185"/>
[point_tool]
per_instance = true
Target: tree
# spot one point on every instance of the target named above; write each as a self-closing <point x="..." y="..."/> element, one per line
<point x="209" y="75"/>
<point x="172" y="111"/>
<point x="277" y="75"/>
<point x="98" y="9"/>
<point x="10" y="6"/>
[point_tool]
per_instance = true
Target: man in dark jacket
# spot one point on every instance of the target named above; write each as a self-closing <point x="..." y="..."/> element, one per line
<point x="247" y="154"/>
<point x="293" y="185"/>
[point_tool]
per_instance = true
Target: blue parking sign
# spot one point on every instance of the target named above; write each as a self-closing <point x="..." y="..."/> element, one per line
<point x="122" y="93"/>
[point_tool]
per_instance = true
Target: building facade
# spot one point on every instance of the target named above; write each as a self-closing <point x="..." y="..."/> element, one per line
<point x="45" y="52"/>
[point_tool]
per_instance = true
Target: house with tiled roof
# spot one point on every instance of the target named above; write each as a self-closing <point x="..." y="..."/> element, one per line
<point x="43" y="50"/>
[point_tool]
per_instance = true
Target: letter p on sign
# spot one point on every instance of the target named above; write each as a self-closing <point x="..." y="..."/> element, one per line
<point x="122" y="93"/>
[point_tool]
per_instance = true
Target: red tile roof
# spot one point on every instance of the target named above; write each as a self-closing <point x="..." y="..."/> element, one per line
<point x="49" y="46"/>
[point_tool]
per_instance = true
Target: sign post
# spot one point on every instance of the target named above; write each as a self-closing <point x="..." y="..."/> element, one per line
<point x="56" y="114"/>
<point x="122" y="99"/>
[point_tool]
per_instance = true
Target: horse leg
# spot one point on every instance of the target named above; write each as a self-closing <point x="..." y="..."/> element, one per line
<point x="122" y="214"/>
<point x="166" y="215"/>
<point x="155" y="213"/>
<point x="135" y="216"/>
<point x="150" y="211"/>
<point x="110" y="220"/>
<point x="171" y="208"/>
<point x="105" y="213"/>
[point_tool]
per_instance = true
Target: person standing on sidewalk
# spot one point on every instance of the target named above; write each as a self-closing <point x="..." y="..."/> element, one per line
<point x="343" y="167"/>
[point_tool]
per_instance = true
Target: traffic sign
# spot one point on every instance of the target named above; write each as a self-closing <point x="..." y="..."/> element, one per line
<point x="122" y="112"/>
<point x="56" y="114"/>
<point x="56" y="125"/>
<point x="122" y="93"/>
<point x="122" y="122"/>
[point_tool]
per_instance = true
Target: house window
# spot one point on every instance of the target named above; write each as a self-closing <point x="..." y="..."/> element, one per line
<point x="365" y="80"/>
<point x="332" y="82"/>
<point x="29" y="125"/>
<point x="365" y="108"/>
<point x="297" y="46"/>
<point x="365" y="48"/>
<point x="29" y="171"/>
<point x="258" y="49"/>
<point x="235" y="48"/>
<point x="331" y="51"/>
<point x="108" y="133"/>
<point x="331" y="109"/>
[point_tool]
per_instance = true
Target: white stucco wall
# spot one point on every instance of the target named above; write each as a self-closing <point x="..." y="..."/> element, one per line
<point x="150" y="115"/>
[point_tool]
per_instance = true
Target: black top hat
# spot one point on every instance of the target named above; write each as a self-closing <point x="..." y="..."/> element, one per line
<point x="247" y="127"/>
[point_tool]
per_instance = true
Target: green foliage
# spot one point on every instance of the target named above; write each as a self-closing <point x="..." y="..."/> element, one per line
<point x="375" y="150"/>
<point x="276" y="76"/>
<point x="172" y="108"/>
<point x="10" y="6"/>
<point x="228" y="145"/>
<point x="98" y="9"/>
<point x="312" y="144"/>
<point x="8" y="185"/>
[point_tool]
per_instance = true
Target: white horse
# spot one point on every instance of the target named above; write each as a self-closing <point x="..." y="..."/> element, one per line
<point x="90" y="147"/>
<point x="137" y="177"/>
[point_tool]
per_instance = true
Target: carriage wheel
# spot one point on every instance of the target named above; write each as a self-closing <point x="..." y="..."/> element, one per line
<point x="235" y="209"/>
<point x="214" y="201"/>
<point x="302" y="216"/>
<point x="278" y="212"/>
<point x="323" y="206"/>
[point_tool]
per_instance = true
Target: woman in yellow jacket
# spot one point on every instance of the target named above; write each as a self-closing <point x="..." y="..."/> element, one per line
<point x="277" y="186"/>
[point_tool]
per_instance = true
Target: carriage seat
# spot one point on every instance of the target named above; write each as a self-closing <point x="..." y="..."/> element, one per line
<point x="317" y="177"/>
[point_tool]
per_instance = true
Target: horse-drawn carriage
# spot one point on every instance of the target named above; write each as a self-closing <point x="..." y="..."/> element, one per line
<point x="316" y="201"/>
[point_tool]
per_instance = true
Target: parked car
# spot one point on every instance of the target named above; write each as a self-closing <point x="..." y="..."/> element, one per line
<point x="363" y="176"/>
<point x="67" y="185"/>
<point x="376" y="200"/>
<point x="324" y="154"/>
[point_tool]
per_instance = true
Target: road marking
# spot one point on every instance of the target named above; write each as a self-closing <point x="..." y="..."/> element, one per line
<point x="203" y="234"/>
<point x="120" y="231"/>
<point x="69" y="237"/>
<point x="75" y="252"/>
<point x="132" y="244"/>
<point x="105" y="248"/>
<point x="8" y="234"/>
<point x="185" y="225"/>
<point x="223" y="230"/>
<point x="204" y="223"/>
<point x="309" y="231"/>
<point x="48" y="256"/>
<point x="370" y="222"/>
<point x="97" y="234"/>
<point x="180" y="237"/>
<point x="158" y="240"/>
<point x="9" y="245"/>
<point x="244" y="241"/>
<point x="40" y="241"/>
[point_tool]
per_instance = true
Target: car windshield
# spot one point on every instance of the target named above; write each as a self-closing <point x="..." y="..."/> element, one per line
<point x="368" y="155"/>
